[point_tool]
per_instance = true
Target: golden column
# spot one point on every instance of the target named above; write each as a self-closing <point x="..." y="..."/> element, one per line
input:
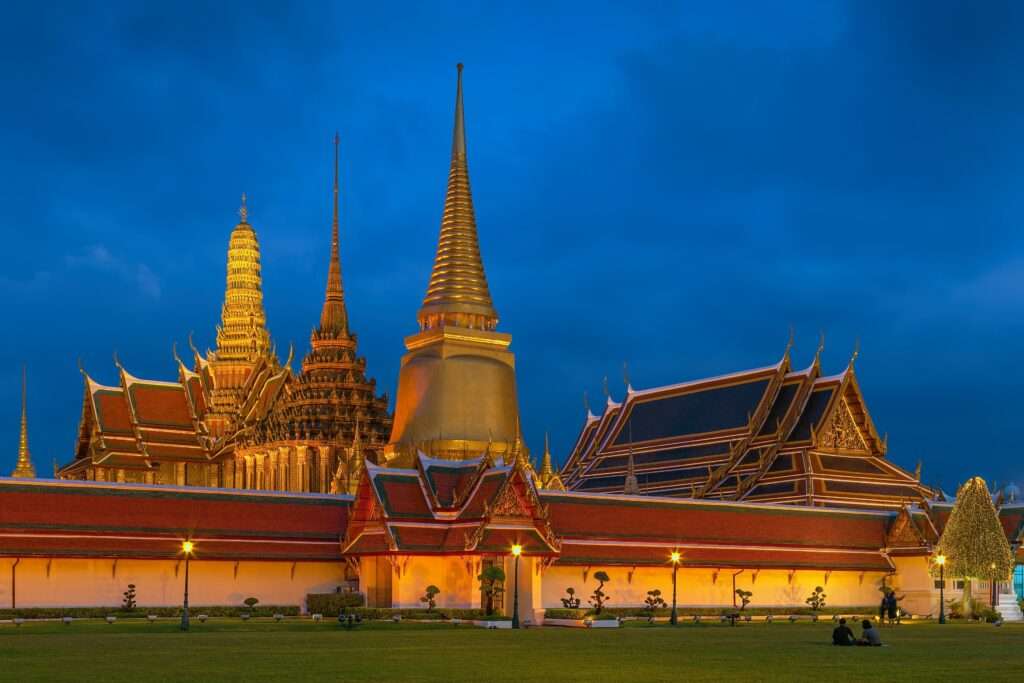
<point x="456" y="387"/>
<point x="24" y="468"/>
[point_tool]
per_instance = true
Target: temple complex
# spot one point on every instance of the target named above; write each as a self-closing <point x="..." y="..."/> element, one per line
<point x="456" y="387"/>
<point x="774" y="480"/>
<point x="238" y="418"/>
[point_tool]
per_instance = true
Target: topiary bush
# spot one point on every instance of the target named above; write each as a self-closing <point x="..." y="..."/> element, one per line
<point x="599" y="597"/>
<point x="332" y="604"/>
<point x="570" y="601"/>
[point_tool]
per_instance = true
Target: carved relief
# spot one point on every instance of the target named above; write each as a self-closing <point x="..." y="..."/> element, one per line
<point x="842" y="432"/>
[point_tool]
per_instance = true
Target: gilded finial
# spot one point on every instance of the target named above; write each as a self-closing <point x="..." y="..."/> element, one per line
<point x="856" y="352"/>
<point x="117" y="361"/>
<point x="174" y="352"/>
<point x="625" y="377"/>
<point x="333" y="316"/>
<point x="789" y="344"/>
<point x="243" y="211"/>
<point x="821" y="347"/>
<point x="586" y="404"/>
<point x="81" y="367"/>
<point x="458" y="294"/>
<point x="24" y="469"/>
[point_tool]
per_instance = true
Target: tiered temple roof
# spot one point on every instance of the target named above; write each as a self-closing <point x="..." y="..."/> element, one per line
<point x="331" y="403"/>
<point x="771" y="434"/>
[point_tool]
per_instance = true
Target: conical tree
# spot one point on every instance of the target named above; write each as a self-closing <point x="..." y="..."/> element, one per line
<point x="973" y="540"/>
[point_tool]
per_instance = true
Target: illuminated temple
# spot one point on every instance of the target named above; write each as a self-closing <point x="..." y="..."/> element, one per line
<point x="287" y="483"/>
<point x="238" y="418"/>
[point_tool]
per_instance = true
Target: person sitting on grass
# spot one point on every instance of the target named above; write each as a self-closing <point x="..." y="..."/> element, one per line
<point x="870" y="636"/>
<point x="843" y="635"/>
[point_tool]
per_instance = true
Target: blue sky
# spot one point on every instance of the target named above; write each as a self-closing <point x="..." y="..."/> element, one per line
<point x="670" y="188"/>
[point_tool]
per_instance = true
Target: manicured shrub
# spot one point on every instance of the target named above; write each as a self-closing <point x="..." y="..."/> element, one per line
<point x="571" y="601"/>
<point x="599" y="597"/>
<point x="563" y="613"/>
<point x="744" y="597"/>
<point x="128" y="603"/>
<point x="492" y="581"/>
<point x="332" y="604"/>
<point x="428" y="597"/>
<point x="816" y="599"/>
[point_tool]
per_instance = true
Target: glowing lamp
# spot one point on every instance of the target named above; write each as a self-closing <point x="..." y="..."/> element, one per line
<point x="186" y="547"/>
<point x="675" y="557"/>
<point x="940" y="560"/>
<point x="517" y="550"/>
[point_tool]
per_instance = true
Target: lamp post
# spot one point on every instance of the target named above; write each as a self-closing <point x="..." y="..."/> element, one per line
<point x="941" y="561"/>
<point x="186" y="547"/>
<point x="517" y="550"/>
<point x="675" y="557"/>
<point x="992" y="587"/>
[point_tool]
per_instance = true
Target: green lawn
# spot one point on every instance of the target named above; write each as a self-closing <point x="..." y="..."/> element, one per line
<point x="297" y="649"/>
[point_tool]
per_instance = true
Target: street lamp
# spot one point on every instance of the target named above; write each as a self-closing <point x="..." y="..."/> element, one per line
<point x="517" y="550"/>
<point x="941" y="561"/>
<point x="674" y="557"/>
<point x="186" y="547"/>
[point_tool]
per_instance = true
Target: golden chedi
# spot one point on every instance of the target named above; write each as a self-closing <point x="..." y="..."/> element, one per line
<point x="23" y="469"/>
<point x="456" y="387"/>
<point x="242" y="337"/>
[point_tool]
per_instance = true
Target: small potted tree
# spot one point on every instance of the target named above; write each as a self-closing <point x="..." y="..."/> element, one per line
<point x="653" y="602"/>
<point x="251" y="604"/>
<point x="429" y="596"/>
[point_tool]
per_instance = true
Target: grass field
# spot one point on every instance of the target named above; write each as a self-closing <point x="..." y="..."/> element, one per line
<point x="291" y="650"/>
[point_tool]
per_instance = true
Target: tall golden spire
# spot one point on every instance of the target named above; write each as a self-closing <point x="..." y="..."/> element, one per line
<point x="24" y="467"/>
<point x="334" y="318"/>
<point x="458" y="294"/>
<point x="242" y="335"/>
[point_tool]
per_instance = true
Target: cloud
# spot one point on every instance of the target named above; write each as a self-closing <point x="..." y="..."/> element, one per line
<point x="98" y="257"/>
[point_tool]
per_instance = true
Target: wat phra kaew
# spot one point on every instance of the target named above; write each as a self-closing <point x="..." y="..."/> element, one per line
<point x="774" y="479"/>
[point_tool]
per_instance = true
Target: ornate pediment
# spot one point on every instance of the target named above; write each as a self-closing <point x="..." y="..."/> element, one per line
<point x="904" y="533"/>
<point x="842" y="432"/>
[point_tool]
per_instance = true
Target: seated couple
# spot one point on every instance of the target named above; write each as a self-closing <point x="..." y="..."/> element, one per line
<point x="843" y="635"/>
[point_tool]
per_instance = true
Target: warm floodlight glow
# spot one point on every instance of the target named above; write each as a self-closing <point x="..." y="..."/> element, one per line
<point x="940" y="560"/>
<point x="186" y="547"/>
<point x="517" y="550"/>
<point x="675" y="557"/>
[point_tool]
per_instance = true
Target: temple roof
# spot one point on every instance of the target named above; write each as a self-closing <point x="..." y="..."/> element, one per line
<point x="768" y="434"/>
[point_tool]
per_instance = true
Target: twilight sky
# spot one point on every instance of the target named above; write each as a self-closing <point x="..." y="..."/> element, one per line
<point x="672" y="188"/>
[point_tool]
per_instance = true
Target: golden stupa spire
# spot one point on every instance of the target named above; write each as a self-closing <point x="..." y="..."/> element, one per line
<point x="242" y="335"/>
<point x="334" y="318"/>
<point x="546" y="469"/>
<point x="457" y="294"/>
<point x="24" y="467"/>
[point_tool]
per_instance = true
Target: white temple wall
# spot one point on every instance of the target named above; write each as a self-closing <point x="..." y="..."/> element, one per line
<point x="101" y="582"/>
<point x="701" y="588"/>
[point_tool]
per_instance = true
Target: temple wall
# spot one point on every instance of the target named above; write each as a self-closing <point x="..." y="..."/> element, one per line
<point x="101" y="582"/>
<point x="455" y="576"/>
<point x="699" y="587"/>
<point x="914" y="583"/>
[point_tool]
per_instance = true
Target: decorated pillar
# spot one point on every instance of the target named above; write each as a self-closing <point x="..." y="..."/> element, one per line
<point x="179" y="473"/>
<point x="282" y="469"/>
<point x="324" y="456"/>
<point x="302" y="464"/>
<point x="248" y="477"/>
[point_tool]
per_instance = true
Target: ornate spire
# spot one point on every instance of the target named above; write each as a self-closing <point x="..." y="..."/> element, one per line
<point x="242" y="335"/>
<point x="334" y="318"/>
<point x="24" y="467"/>
<point x="458" y="294"/>
<point x="631" y="486"/>
<point x="548" y="478"/>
